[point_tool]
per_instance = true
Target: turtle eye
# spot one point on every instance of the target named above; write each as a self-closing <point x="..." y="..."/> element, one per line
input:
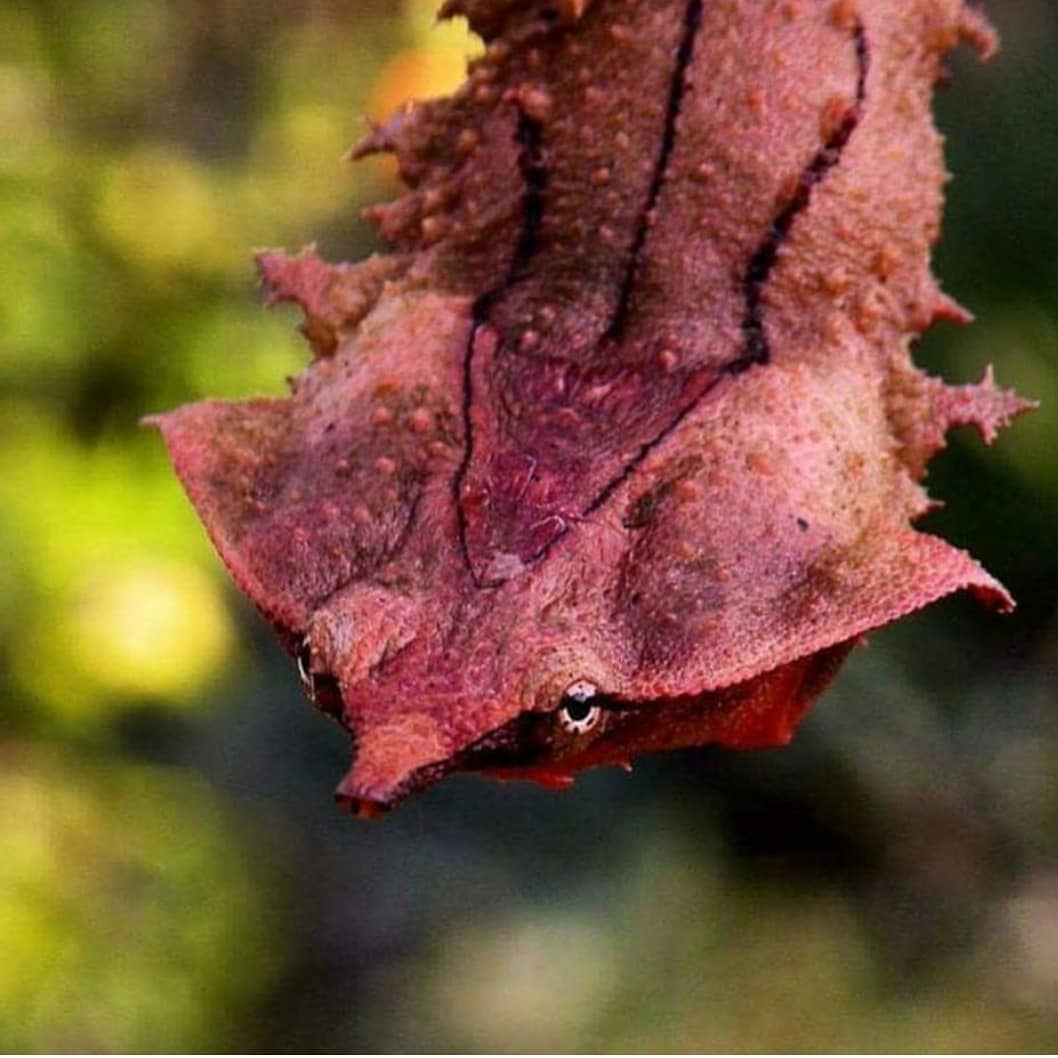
<point x="321" y="688"/>
<point x="304" y="661"/>
<point x="577" y="712"/>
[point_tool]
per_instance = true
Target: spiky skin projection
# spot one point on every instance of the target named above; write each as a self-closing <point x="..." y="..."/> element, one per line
<point x="630" y="406"/>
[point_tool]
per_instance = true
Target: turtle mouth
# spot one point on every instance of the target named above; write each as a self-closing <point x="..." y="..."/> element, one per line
<point x="518" y="749"/>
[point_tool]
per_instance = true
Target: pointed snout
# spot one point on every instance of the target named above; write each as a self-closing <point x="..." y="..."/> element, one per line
<point x="392" y="761"/>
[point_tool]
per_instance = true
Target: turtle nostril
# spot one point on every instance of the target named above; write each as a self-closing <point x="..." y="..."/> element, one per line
<point x="362" y="800"/>
<point x="359" y="807"/>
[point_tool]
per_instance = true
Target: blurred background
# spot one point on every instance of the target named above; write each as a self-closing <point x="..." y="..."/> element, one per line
<point x="173" y="874"/>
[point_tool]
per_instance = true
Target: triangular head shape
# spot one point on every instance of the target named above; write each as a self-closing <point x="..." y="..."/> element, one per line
<point x="619" y="449"/>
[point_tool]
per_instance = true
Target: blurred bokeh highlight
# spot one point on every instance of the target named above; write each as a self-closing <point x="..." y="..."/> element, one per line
<point x="173" y="875"/>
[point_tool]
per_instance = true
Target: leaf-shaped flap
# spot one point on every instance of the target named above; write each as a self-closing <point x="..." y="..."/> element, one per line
<point x="305" y="495"/>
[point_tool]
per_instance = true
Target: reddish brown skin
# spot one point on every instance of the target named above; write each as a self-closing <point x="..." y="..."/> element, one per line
<point x="631" y="402"/>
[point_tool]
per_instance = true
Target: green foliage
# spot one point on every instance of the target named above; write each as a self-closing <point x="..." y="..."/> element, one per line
<point x="127" y="937"/>
<point x="146" y="147"/>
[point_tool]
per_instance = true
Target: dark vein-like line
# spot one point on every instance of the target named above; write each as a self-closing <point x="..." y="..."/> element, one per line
<point x="648" y="446"/>
<point x="533" y="171"/>
<point x="534" y="181"/>
<point x="692" y="21"/>
<point x="530" y="137"/>
<point x="756" y="349"/>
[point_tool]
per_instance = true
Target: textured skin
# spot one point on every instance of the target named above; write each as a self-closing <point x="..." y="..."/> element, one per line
<point x="632" y="400"/>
